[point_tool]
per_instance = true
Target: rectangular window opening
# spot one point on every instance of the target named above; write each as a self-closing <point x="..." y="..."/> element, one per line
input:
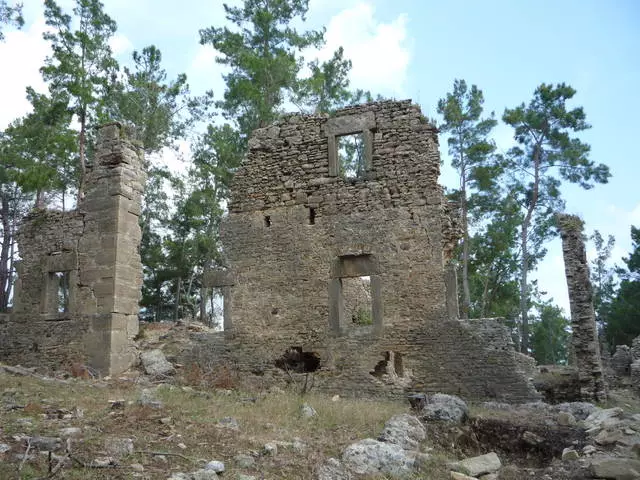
<point x="61" y="281"/>
<point x="267" y="220"/>
<point x="356" y="293"/>
<point x="351" y="155"/>
<point x="312" y="216"/>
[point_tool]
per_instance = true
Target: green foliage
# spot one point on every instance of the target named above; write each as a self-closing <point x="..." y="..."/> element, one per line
<point x="362" y="317"/>
<point x="327" y="87"/>
<point x="623" y="314"/>
<point x="546" y="154"/>
<point x="38" y="151"/>
<point x="263" y="53"/>
<point x="602" y="277"/>
<point x="471" y="155"/>
<point x="550" y="335"/>
<point x="81" y="65"/>
<point x="10" y="15"/>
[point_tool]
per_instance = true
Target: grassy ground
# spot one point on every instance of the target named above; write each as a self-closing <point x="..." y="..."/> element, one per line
<point x="185" y="428"/>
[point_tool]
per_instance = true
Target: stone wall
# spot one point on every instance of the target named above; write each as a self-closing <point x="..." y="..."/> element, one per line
<point x="584" y="336"/>
<point x="79" y="278"/>
<point x="297" y="229"/>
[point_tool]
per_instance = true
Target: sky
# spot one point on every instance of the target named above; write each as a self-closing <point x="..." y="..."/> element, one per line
<point x="415" y="49"/>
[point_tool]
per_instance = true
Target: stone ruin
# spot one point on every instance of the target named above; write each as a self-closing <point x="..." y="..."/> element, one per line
<point x="585" y="344"/>
<point x="79" y="280"/>
<point x="303" y="224"/>
<point x="335" y="270"/>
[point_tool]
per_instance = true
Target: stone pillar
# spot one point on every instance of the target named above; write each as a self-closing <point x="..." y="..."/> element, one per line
<point x="108" y="251"/>
<point x="584" y="340"/>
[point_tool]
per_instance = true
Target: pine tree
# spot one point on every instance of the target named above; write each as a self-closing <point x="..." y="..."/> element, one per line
<point x="81" y="65"/>
<point x="470" y="152"/>
<point x="546" y="154"/>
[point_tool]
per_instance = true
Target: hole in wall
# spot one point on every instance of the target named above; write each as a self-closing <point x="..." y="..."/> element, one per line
<point x="312" y="216"/>
<point x="356" y="292"/>
<point x="391" y="367"/>
<point x="299" y="361"/>
<point x="267" y="220"/>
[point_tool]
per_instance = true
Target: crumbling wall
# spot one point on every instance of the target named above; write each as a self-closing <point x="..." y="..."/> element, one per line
<point x="297" y="229"/>
<point x="79" y="278"/>
<point x="584" y="337"/>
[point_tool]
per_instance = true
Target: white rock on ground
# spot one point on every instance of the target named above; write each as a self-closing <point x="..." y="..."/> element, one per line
<point x="602" y="418"/>
<point x="371" y="457"/>
<point x="308" y="411"/>
<point x="333" y="469"/>
<point x="615" y="468"/>
<point x="118" y="447"/>
<point x="155" y="363"/>
<point x="148" y="398"/>
<point x="215" y="465"/>
<point x="479" y="465"/>
<point x="404" y="430"/>
<point x="444" y="408"/>
<point x="460" y="476"/>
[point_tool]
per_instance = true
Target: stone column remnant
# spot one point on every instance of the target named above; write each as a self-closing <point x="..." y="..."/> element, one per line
<point x="584" y="339"/>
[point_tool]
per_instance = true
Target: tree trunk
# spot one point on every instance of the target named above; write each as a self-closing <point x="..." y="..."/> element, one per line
<point x="524" y="294"/>
<point x="5" y="271"/>
<point x="82" y="155"/>
<point x="178" y="299"/>
<point x="466" y="295"/>
<point x="524" y="266"/>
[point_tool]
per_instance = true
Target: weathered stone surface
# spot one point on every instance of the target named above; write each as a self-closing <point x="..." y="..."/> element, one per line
<point x="155" y="363"/>
<point x="298" y="231"/>
<point x="333" y="469"/>
<point x="479" y="465"/>
<point x="80" y="276"/>
<point x="584" y="337"/>
<point x="603" y="418"/>
<point x="460" y="476"/>
<point x="372" y="457"/>
<point x="404" y="430"/>
<point x="615" y="468"/>
<point x="117" y="447"/>
<point x="445" y="408"/>
<point x="569" y="454"/>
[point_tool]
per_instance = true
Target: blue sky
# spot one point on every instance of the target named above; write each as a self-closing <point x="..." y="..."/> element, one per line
<point x="415" y="49"/>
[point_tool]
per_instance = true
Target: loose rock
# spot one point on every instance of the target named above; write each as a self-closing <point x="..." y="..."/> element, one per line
<point x="369" y="457"/>
<point x="404" y="430"/>
<point x="155" y="363"/>
<point x="480" y="465"/>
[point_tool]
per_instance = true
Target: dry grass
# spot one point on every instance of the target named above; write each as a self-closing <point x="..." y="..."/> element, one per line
<point x="189" y="418"/>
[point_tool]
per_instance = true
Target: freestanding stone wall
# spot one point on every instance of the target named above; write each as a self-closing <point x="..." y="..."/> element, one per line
<point x="299" y="227"/>
<point x="584" y="338"/>
<point x="79" y="280"/>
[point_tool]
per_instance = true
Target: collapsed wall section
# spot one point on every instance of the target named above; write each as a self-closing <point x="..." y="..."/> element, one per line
<point x="79" y="278"/>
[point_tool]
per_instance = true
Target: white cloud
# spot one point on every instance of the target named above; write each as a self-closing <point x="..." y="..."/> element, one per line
<point x="120" y="44"/>
<point x="22" y="54"/>
<point x="378" y="51"/>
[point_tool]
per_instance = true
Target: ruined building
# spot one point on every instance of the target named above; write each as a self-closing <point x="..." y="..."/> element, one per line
<point x="303" y="224"/>
<point x="78" y="288"/>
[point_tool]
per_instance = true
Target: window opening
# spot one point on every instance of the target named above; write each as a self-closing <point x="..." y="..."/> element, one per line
<point x="312" y="216"/>
<point x="61" y="280"/>
<point x="351" y="158"/>
<point x="356" y="292"/>
<point x="267" y="220"/>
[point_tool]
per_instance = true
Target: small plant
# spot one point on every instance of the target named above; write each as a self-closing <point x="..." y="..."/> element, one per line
<point x="362" y="317"/>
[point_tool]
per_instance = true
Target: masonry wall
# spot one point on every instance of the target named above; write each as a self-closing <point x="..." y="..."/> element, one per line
<point x="294" y="227"/>
<point x="96" y="248"/>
